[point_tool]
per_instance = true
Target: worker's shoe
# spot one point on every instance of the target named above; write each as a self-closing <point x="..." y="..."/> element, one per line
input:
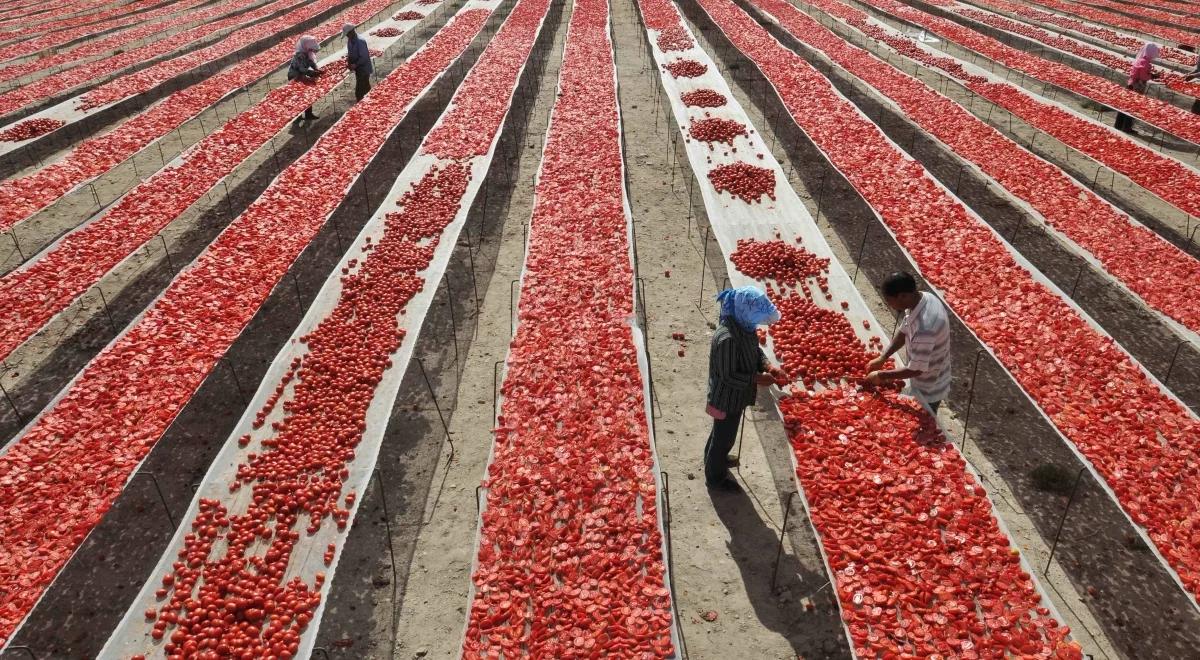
<point x="308" y="114"/>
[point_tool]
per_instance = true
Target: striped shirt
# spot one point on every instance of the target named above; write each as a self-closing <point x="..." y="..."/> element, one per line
<point x="733" y="361"/>
<point x="926" y="329"/>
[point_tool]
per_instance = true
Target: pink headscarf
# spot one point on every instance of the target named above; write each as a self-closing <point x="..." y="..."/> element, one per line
<point x="1140" y="71"/>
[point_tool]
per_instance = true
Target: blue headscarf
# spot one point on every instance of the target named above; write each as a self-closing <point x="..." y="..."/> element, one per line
<point x="748" y="307"/>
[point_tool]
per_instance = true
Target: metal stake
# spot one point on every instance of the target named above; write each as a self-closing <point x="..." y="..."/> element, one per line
<point x="13" y="404"/>
<point x="387" y="521"/>
<point x="970" y="400"/>
<point x="1171" y="367"/>
<point x="787" y="511"/>
<point x="432" y="395"/>
<point x="104" y="301"/>
<point x="237" y="383"/>
<point x="161" y="497"/>
<point x="861" y="247"/>
<point x="12" y="233"/>
<point x="1063" y="520"/>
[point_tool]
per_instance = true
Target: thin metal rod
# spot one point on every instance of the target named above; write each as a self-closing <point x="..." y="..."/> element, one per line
<point x="104" y="301"/>
<point x="782" y="535"/>
<point x="1062" y="521"/>
<point x="387" y="521"/>
<point x="13" y="404"/>
<point x="161" y="497"/>
<point x="433" y="395"/>
<point x="970" y="400"/>
<point x="1171" y="367"/>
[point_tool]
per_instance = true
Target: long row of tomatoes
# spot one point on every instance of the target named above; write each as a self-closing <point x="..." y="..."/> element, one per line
<point x="1143" y="442"/>
<point x="105" y="21"/>
<point x="570" y="556"/>
<point x="1165" y="116"/>
<point x="134" y="83"/>
<point x="1166" y="177"/>
<point x="1171" y="79"/>
<point x="1107" y="35"/>
<point x="104" y="45"/>
<point x="49" y="284"/>
<point x="24" y="196"/>
<point x="1146" y="11"/>
<point x="1151" y="267"/>
<point x="42" y="13"/>
<point x="58" y="479"/>
<point x="865" y="456"/>
<point x="302" y="454"/>
<point x="65" y="22"/>
<point x="1106" y="17"/>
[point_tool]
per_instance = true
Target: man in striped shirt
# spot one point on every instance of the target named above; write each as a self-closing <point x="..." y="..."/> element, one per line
<point x="925" y="336"/>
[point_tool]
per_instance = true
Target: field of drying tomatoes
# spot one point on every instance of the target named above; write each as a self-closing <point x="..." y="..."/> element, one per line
<point x="287" y="373"/>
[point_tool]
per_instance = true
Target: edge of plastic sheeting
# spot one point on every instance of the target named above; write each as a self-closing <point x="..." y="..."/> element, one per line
<point x="68" y="387"/>
<point x="1038" y="277"/>
<point x="838" y="280"/>
<point x="178" y="161"/>
<point x="1181" y="331"/>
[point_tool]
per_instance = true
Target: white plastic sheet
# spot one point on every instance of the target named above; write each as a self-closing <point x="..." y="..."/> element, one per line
<point x="733" y="219"/>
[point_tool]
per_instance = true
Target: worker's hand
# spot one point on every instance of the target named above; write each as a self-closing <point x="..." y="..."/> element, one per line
<point x="876" y="364"/>
<point x="876" y="378"/>
<point x="714" y="413"/>
<point x="764" y="379"/>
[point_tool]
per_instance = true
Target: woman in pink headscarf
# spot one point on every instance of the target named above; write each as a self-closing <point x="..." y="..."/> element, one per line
<point x="1139" y="76"/>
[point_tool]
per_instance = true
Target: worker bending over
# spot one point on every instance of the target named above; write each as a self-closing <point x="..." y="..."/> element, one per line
<point x="925" y="336"/>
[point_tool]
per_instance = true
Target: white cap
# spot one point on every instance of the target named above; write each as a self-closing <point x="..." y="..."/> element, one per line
<point x="347" y="28"/>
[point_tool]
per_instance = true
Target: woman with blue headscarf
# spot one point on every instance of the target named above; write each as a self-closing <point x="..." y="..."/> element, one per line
<point x="736" y="367"/>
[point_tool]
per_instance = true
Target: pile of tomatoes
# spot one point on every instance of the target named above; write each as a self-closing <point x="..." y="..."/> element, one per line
<point x="409" y="15"/>
<point x="388" y="32"/>
<point x="570" y="560"/>
<point x="1140" y="440"/>
<point x="744" y="181"/>
<point x="716" y="129"/>
<point x="703" y="98"/>
<point x="686" y="68"/>
<point x="22" y="197"/>
<point x="110" y="417"/>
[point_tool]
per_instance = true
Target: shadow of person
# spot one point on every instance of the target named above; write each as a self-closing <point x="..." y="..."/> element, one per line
<point x="753" y="545"/>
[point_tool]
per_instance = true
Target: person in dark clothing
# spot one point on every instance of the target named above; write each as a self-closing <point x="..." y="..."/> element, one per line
<point x="736" y="367"/>
<point x="358" y="60"/>
<point x="304" y="68"/>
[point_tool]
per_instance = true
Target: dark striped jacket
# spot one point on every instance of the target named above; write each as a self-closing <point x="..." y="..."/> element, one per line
<point x="733" y="361"/>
